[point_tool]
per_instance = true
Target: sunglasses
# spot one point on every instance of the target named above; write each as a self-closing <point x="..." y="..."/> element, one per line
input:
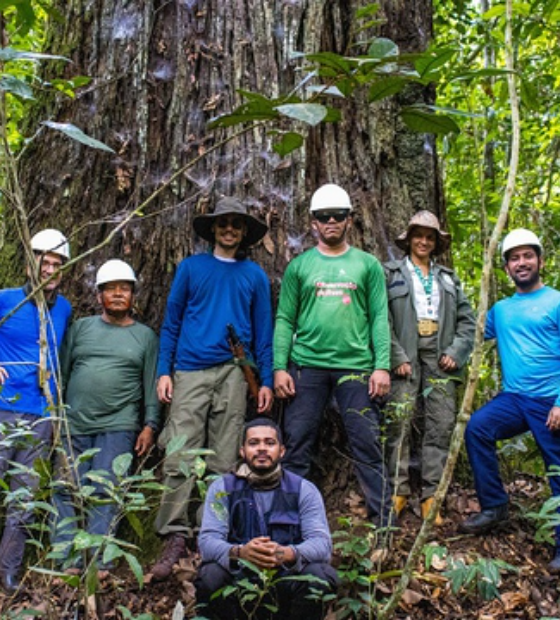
<point x="325" y="216"/>
<point x="234" y="222"/>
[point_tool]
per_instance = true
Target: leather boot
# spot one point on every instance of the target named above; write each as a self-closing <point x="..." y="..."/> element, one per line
<point x="426" y="507"/>
<point x="175" y="548"/>
<point x="399" y="504"/>
<point x="485" y="520"/>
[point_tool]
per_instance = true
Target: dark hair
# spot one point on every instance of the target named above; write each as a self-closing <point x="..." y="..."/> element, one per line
<point x="262" y="421"/>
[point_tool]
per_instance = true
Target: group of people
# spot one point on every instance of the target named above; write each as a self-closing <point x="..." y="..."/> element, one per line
<point x="346" y="326"/>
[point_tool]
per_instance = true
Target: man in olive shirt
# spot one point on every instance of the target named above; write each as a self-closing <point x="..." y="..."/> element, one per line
<point x="332" y="337"/>
<point x="109" y="371"/>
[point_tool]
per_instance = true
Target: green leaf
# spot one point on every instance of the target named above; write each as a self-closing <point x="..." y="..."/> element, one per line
<point x="330" y="60"/>
<point x="367" y="11"/>
<point x="495" y="11"/>
<point x="92" y="581"/>
<point x="112" y="552"/>
<point x="481" y="73"/>
<point x="135" y="567"/>
<point x="309" y="113"/>
<point x="177" y="443"/>
<point x="432" y="60"/>
<point x="247" y="113"/>
<point x="326" y="90"/>
<point x="8" y="54"/>
<point x="386" y="87"/>
<point x="121" y="464"/>
<point x="288" y="142"/>
<point x="257" y="97"/>
<point x="455" y="112"/>
<point x="333" y="115"/>
<point x="83" y="540"/>
<point x="383" y="48"/>
<point x="425" y="122"/>
<point x="25" y="14"/>
<point x="530" y="96"/>
<point x="19" y="88"/>
<point x="88" y="455"/>
<point x="136" y="524"/>
<point x="78" y="135"/>
<point x="45" y="506"/>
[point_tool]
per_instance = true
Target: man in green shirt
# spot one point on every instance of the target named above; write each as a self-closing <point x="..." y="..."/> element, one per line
<point x="109" y="372"/>
<point x="332" y="336"/>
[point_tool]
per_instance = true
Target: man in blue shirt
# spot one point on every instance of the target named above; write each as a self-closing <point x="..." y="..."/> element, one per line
<point x="197" y="375"/>
<point x="527" y="329"/>
<point x="28" y="388"/>
<point x="265" y="515"/>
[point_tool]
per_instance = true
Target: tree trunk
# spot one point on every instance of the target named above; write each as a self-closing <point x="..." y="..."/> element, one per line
<point x="161" y="71"/>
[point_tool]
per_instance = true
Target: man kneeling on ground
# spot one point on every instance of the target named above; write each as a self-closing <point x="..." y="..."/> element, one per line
<point x="271" y="518"/>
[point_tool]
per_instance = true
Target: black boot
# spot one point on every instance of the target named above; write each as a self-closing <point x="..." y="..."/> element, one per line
<point x="554" y="564"/>
<point x="10" y="582"/>
<point x="485" y="520"/>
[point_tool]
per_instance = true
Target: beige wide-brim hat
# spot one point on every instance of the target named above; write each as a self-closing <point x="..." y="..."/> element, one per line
<point x="203" y="224"/>
<point x="425" y="219"/>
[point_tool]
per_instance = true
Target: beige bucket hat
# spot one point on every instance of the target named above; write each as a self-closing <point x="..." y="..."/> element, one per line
<point x="425" y="219"/>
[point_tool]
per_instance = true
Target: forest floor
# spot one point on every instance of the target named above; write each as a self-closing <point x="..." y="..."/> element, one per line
<point x="515" y="565"/>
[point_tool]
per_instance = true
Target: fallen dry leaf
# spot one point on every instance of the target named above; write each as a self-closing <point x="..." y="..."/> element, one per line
<point x="411" y="597"/>
<point x="513" y="600"/>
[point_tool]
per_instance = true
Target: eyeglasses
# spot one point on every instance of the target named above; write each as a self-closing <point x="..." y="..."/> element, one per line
<point x="234" y="222"/>
<point x="325" y="216"/>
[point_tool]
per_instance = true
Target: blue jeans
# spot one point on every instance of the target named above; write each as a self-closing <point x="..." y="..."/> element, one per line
<point x="101" y="519"/>
<point x="23" y="452"/>
<point x="361" y="418"/>
<point x="504" y="417"/>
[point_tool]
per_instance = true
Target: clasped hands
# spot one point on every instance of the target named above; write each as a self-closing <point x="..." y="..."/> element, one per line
<point x="265" y="553"/>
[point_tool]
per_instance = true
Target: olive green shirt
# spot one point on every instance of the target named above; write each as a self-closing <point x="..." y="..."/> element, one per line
<point x="109" y="374"/>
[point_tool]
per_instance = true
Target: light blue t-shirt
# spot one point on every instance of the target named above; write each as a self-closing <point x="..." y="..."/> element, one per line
<point x="527" y="329"/>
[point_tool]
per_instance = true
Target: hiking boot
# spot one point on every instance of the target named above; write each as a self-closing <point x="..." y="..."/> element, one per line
<point x="175" y="548"/>
<point x="485" y="520"/>
<point x="10" y="582"/>
<point x="399" y="504"/>
<point x="554" y="564"/>
<point x="426" y="507"/>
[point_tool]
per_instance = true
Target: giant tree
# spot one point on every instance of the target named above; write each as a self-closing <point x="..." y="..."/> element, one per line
<point x="160" y="71"/>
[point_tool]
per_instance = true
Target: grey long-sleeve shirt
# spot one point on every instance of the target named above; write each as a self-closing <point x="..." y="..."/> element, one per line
<point x="213" y="538"/>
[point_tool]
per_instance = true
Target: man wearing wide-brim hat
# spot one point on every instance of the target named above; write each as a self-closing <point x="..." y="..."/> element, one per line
<point x="197" y="375"/>
<point x="431" y="340"/>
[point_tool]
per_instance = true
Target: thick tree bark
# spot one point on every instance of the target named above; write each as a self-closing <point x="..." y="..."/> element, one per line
<point x="161" y="70"/>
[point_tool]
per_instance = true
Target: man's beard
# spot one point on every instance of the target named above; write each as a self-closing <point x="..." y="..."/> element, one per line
<point x="525" y="285"/>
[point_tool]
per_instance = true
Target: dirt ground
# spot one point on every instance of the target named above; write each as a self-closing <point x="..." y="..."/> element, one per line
<point x="529" y="591"/>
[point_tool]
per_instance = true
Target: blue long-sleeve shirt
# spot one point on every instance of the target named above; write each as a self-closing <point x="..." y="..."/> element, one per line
<point x="527" y="329"/>
<point x="19" y="351"/>
<point x="207" y="294"/>
<point x="213" y="538"/>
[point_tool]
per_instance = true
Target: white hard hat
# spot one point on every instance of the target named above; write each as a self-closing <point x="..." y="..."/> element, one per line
<point x="330" y="196"/>
<point x="51" y="240"/>
<point x="114" y="270"/>
<point x="518" y="237"/>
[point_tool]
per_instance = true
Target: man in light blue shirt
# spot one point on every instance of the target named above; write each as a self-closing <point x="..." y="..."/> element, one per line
<point x="526" y="327"/>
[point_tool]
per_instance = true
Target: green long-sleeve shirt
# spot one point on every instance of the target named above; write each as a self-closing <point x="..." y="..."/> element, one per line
<point x="109" y="375"/>
<point x="333" y="313"/>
